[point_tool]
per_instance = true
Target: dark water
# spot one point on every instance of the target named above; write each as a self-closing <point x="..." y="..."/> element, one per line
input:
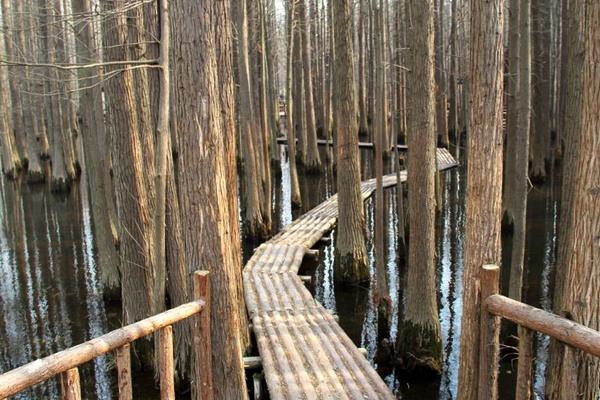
<point x="50" y="296"/>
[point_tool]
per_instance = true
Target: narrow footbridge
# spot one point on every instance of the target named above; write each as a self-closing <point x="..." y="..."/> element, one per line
<point x="305" y="353"/>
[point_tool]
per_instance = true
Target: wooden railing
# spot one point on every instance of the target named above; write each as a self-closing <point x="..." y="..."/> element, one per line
<point x="65" y="363"/>
<point x="529" y="320"/>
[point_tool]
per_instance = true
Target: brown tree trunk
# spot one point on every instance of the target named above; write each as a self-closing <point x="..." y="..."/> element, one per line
<point x="92" y="127"/>
<point x="351" y="253"/>
<point x="419" y="341"/>
<point x="542" y="116"/>
<point x="15" y="78"/>
<point x="440" y="77"/>
<point x="577" y="282"/>
<point x="291" y="108"/>
<point x="484" y="177"/>
<point x="521" y="153"/>
<point x="363" y="125"/>
<point x="204" y="194"/>
<point x="453" y="112"/>
<point x="11" y="162"/>
<point x="135" y="216"/>
<point x="512" y="113"/>
<point x="255" y="225"/>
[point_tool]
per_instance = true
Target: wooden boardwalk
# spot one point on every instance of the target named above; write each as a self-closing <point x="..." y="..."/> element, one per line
<point x="323" y="142"/>
<point x="305" y="353"/>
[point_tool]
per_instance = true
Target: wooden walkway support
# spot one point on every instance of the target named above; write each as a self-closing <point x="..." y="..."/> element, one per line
<point x="305" y="353"/>
<point x="65" y="363"/>
<point x="323" y="142"/>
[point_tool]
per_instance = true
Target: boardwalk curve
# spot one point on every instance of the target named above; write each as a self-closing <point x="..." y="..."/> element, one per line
<point x="305" y="353"/>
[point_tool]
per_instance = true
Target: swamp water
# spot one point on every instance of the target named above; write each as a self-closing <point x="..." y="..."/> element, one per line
<point x="50" y="297"/>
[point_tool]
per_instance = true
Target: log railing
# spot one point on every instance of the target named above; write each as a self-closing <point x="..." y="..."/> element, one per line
<point x="65" y="363"/>
<point x="529" y="320"/>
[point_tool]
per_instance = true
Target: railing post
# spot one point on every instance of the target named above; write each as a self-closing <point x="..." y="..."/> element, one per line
<point x="525" y="365"/>
<point x="69" y="384"/>
<point x="165" y="363"/>
<point x="123" y="360"/>
<point x="489" y="336"/>
<point x="203" y="383"/>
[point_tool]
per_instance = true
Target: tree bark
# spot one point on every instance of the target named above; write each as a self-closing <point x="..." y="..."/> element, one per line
<point x="11" y="161"/>
<point x="440" y="77"/>
<point x="419" y="340"/>
<point x="484" y="177"/>
<point x="521" y="153"/>
<point x="578" y="282"/>
<point x="197" y="114"/>
<point x="351" y="253"/>
<point x="512" y="113"/>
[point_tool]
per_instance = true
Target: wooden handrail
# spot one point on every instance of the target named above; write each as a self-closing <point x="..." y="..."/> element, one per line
<point x="66" y="362"/>
<point x="559" y="328"/>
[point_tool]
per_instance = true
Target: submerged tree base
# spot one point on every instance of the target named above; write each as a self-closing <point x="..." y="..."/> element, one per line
<point x="35" y="176"/>
<point x="60" y="185"/>
<point x="418" y="349"/>
<point x="351" y="269"/>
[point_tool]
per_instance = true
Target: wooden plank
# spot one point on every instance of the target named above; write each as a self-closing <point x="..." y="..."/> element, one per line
<point x="165" y="363"/>
<point x="203" y="379"/>
<point x="123" y="360"/>
<point x="69" y="385"/>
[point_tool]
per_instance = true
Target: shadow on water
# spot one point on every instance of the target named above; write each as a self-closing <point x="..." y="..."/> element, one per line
<point x="50" y="297"/>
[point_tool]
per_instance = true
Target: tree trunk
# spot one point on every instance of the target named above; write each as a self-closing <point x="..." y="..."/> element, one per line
<point x="542" y="116"/>
<point x="512" y="113"/>
<point x="92" y="127"/>
<point x="11" y="162"/>
<point x="15" y="79"/>
<point x="363" y="125"/>
<point x="351" y="253"/>
<point x="419" y="341"/>
<point x="521" y="153"/>
<point x="255" y="225"/>
<point x="291" y="106"/>
<point x="484" y="177"/>
<point x="440" y="77"/>
<point x="134" y="214"/>
<point x="204" y="193"/>
<point x="453" y="112"/>
<point x="299" y="101"/>
<point x="579" y="249"/>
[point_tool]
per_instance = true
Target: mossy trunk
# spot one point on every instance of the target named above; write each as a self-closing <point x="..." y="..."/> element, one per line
<point x="419" y="348"/>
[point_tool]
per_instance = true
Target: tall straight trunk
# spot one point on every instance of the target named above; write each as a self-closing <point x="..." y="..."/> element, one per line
<point x="362" y="76"/>
<point x="572" y="135"/>
<point x="453" y="84"/>
<point x="512" y="111"/>
<point x="11" y="161"/>
<point x="573" y="373"/>
<point x="92" y="128"/>
<point x="35" y="51"/>
<point x="299" y="93"/>
<point x="224" y="46"/>
<point x="15" y="72"/>
<point x="331" y="131"/>
<point x="134" y="214"/>
<point x="542" y="116"/>
<point x="484" y="177"/>
<point x="400" y="72"/>
<point x="351" y="253"/>
<point x="60" y="180"/>
<point x="197" y="114"/>
<point x="313" y="160"/>
<point x="440" y="77"/>
<point x="68" y="118"/>
<point x="380" y="295"/>
<point x="291" y="108"/>
<point x="272" y="41"/>
<point x="35" y="173"/>
<point x="265" y="122"/>
<point x="383" y="84"/>
<point x="419" y="341"/>
<point x="255" y="225"/>
<point x="522" y="153"/>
